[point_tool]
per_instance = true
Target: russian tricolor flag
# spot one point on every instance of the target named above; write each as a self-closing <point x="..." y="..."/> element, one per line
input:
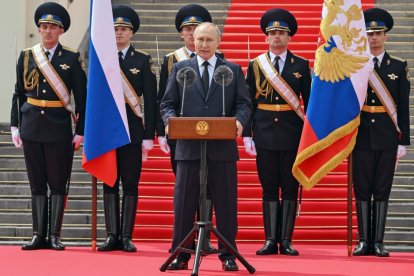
<point x="339" y="86"/>
<point x="106" y="125"/>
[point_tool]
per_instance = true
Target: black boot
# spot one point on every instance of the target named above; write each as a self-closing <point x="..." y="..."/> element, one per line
<point x="39" y="217"/>
<point x="380" y="216"/>
<point x="363" y="209"/>
<point x="288" y="224"/>
<point x="129" y="209"/>
<point x="270" y="212"/>
<point x="208" y="247"/>
<point x="111" y="209"/>
<point x="56" y="209"/>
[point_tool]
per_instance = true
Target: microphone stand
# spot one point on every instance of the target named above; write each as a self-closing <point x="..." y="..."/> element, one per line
<point x="182" y="100"/>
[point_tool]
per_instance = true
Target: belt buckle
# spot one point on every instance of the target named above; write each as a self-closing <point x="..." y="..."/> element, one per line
<point x="43" y="103"/>
<point x="372" y="109"/>
<point x="277" y="107"/>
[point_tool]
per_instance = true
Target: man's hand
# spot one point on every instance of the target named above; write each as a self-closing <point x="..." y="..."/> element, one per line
<point x="249" y="146"/>
<point x="239" y="128"/>
<point x="17" y="141"/>
<point x="147" y="145"/>
<point x="401" y="151"/>
<point x="76" y="141"/>
<point x="162" y="141"/>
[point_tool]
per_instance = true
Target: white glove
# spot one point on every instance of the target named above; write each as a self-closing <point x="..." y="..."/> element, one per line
<point x="144" y="155"/>
<point x="239" y="128"/>
<point x="249" y="146"/>
<point x="401" y="151"/>
<point x="17" y="141"/>
<point x="147" y="145"/>
<point x="77" y="140"/>
<point x="162" y="141"/>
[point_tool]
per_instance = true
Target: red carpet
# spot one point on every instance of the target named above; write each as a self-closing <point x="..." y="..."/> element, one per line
<point x="324" y="208"/>
<point x="314" y="260"/>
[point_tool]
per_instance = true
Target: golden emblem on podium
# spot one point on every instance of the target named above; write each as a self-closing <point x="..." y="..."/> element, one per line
<point x="202" y="128"/>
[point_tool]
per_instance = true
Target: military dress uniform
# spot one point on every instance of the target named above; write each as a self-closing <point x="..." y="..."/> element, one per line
<point x="45" y="125"/>
<point x="375" y="153"/>
<point x="276" y="130"/>
<point x="138" y="70"/>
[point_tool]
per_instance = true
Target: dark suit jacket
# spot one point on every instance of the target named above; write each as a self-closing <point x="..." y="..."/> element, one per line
<point x="49" y="124"/>
<point x="165" y="72"/>
<point x="278" y="130"/>
<point x="377" y="131"/>
<point x="145" y="84"/>
<point x="237" y="104"/>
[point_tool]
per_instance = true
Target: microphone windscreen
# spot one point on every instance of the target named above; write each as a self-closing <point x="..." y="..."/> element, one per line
<point x="188" y="74"/>
<point x="223" y="72"/>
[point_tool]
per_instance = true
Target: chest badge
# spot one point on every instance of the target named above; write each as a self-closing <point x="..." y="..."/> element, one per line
<point x="393" y="77"/>
<point x="134" y="71"/>
<point x="297" y="75"/>
<point x="64" y="66"/>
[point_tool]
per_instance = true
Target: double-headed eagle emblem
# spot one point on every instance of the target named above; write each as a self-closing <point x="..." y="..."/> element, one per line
<point x="333" y="64"/>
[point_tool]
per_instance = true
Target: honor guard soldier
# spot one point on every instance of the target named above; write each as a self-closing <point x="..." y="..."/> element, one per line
<point x="383" y="134"/>
<point x="186" y="20"/>
<point x="276" y="80"/>
<point x="138" y="76"/>
<point x="41" y="120"/>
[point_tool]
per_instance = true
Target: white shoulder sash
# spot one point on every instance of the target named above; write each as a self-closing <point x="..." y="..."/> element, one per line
<point x="131" y="97"/>
<point x="385" y="97"/>
<point x="279" y="84"/>
<point x="52" y="77"/>
<point x="181" y="54"/>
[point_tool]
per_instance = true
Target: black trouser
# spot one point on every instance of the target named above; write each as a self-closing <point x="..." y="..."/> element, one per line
<point x="373" y="173"/>
<point x="275" y="171"/>
<point x="48" y="164"/>
<point x="129" y="164"/>
<point x="222" y="179"/>
<point x="172" y="144"/>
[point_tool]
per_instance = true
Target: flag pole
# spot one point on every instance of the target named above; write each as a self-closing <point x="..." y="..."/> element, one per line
<point x="349" y="207"/>
<point x="94" y="209"/>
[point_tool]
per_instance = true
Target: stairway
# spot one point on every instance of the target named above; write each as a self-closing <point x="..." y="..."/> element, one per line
<point x="323" y="217"/>
<point x="400" y="221"/>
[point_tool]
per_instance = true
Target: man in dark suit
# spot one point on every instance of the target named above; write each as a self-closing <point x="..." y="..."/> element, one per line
<point x="383" y="135"/>
<point x="204" y="99"/>
<point x="276" y="80"/>
<point x="186" y="20"/>
<point x="41" y="120"/>
<point x="138" y="77"/>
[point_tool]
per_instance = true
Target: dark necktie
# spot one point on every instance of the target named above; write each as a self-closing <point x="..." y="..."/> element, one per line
<point x="205" y="77"/>
<point x="192" y="55"/>
<point x="276" y="63"/>
<point x="47" y="53"/>
<point x="120" y="57"/>
<point x="375" y="60"/>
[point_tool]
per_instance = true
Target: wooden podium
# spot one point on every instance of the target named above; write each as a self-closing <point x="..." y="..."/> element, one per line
<point x="203" y="129"/>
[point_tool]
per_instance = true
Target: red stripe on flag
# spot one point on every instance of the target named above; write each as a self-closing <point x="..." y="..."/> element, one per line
<point x="311" y="165"/>
<point x="102" y="167"/>
<point x="308" y="136"/>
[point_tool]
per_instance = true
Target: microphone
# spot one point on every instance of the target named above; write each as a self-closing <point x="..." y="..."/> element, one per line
<point x="186" y="77"/>
<point x="223" y="76"/>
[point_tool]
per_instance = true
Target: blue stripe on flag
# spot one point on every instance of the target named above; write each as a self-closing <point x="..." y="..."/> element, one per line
<point x="338" y="100"/>
<point x="106" y="130"/>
